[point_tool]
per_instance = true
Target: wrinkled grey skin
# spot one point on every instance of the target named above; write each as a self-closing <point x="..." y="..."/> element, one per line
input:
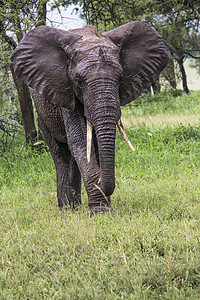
<point x="78" y="75"/>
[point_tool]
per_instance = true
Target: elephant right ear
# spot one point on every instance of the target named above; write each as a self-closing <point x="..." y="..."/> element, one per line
<point x="40" y="60"/>
<point x="143" y="55"/>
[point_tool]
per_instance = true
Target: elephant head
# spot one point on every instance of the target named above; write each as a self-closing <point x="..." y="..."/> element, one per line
<point x="101" y="74"/>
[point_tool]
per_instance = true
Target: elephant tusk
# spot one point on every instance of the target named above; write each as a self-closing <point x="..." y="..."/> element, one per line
<point x="124" y="135"/>
<point x="89" y="140"/>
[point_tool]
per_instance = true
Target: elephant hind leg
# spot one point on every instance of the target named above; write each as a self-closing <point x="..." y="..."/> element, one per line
<point x="67" y="171"/>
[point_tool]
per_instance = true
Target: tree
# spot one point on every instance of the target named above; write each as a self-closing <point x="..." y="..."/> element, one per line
<point x="16" y="18"/>
<point x="177" y="21"/>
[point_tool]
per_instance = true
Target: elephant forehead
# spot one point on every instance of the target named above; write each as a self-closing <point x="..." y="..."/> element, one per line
<point x="97" y="49"/>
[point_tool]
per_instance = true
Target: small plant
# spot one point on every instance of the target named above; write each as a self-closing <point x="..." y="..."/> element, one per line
<point x="9" y="131"/>
<point x="183" y="133"/>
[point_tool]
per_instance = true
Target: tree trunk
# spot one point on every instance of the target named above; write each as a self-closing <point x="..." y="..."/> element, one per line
<point x="184" y="77"/>
<point x="169" y="74"/>
<point x="26" y="107"/>
<point x="23" y="91"/>
<point x="42" y="12"/>
<point x="156" y="86"/>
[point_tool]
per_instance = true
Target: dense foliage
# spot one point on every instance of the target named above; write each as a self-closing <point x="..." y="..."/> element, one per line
<point x="176" y="20"/>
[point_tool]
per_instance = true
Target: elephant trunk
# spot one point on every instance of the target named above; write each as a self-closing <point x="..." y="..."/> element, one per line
<point x="104" y="114"/>
<point x="106" y="146"/>
<point x="104" y="118"/>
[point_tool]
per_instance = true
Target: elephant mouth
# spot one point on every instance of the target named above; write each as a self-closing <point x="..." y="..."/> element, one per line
<point x="89" y="137"/>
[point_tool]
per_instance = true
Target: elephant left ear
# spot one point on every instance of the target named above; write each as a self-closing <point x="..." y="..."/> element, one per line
<point x="41" y="61"/>
<point x="143" y="56"/>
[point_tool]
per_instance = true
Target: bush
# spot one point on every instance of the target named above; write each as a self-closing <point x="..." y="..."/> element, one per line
<point x="165" y="95"/>
<point x="10" y="115"/>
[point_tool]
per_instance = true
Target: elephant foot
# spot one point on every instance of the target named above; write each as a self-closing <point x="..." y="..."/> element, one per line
<point x="64" y="204"/>
<point x="68" y="207"/>
<point x="100" y="211"/>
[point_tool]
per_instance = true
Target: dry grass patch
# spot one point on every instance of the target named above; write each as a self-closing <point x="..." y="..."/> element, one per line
<point x="161" y="120"/>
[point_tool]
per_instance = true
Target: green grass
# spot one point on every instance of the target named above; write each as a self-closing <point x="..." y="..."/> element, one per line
<point x="150" y="247"/>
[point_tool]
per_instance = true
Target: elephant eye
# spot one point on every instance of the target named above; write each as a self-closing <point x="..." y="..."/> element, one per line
<point x="79" y="80"/>
<point x="80" y="83"/>
<point x="120" y="77"/>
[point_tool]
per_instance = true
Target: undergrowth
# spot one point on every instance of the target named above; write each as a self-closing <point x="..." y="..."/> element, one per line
<point x="166" y="102"/>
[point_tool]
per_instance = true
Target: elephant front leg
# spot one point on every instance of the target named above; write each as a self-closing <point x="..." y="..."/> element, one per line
<point x="67" y="171"/>
<point x="68" y="183"/>
<point x="98" y="202"/>
<point x="75" y="125"/>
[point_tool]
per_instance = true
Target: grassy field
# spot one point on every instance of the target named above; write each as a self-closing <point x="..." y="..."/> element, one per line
<point x="150" y="247"/>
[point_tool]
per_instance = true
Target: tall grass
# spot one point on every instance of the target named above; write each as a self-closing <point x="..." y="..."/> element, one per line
<point x="150" y="247"/>
<point x="173" y="107"/>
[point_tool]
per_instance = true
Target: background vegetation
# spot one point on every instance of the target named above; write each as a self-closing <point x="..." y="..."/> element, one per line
<point x="177" y="21"/>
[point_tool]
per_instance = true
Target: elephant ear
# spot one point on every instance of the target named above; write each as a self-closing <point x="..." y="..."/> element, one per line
<point x="143" y="56"/>
<point x="40" y="60"/>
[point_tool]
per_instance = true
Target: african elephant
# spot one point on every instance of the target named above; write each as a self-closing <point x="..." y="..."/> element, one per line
<point x="78" y="81"/>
